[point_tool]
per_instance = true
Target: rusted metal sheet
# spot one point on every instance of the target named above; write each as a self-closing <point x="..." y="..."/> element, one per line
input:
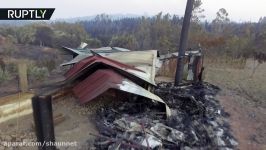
<point x="90" y="64"/>
<point x="83" y="64"/>
<point x="104" y="79"/>
<point x="126" y="71"/>
<point x="144" y="60"/>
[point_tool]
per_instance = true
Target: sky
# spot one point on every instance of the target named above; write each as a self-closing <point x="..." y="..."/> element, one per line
<point x="239" y="10"/>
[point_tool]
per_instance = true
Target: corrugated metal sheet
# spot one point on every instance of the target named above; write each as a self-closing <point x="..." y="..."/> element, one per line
<point x="121" y="49"/>
<point x="127" y="71"/>
<point x="80" y="54"/>
<point x="72" y="51"/>
<point x="87" y="51"/>
<point x="104" y="79"/>
<point x="75" y="60"/>
<point x="109" y="49"/>
<point x="143" y="60"/>
<point x="88" y="65"/>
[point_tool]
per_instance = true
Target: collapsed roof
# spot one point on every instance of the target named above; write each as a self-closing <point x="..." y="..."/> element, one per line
<point x="144" y="60"/>
<point x="127" y="71"/>
<point x="104" y="79"/>
<point x="88" y="65"/>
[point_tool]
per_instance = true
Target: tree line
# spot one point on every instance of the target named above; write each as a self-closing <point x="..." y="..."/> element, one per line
<point x="220" y="37"/>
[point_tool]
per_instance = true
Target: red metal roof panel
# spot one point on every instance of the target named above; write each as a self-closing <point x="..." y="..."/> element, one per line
<point x="90" y="64"/>
<point x="93" y="59"/>
<point x="104" y="79"/>
<point x="96" y="84"/>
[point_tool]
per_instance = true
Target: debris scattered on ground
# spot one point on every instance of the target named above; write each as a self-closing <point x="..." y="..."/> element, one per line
<point x="197" y="121"/>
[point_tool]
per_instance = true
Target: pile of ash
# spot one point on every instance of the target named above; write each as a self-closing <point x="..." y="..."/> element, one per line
<point x="197" y="121"/>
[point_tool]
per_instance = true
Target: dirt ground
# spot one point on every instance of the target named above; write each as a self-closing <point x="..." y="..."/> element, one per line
<point x="247" y="122"/>
<point x="77" y="126"/>
<point x="243" y="97"/>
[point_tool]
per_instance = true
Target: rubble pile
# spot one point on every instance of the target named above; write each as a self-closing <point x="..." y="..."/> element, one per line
<point x="197" y="121"/>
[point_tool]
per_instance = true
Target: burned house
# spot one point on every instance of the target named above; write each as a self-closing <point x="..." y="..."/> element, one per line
<point x="150" y="116"/>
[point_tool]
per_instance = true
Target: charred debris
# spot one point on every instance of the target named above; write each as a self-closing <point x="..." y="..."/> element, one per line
<point x="197" y="121"/>
<point x="191" y="119"/>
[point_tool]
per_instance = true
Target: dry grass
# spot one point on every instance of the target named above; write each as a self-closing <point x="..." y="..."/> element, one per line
<point x="237" y="76"/>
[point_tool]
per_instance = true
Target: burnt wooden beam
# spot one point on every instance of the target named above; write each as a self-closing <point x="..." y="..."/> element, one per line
<point x="43" y="119"/>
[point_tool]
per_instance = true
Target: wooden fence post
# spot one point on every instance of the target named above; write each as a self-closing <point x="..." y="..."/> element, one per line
<point x="23" y="78"/>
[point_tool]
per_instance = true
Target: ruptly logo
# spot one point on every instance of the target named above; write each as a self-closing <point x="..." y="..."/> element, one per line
<point x="26" y="13"/>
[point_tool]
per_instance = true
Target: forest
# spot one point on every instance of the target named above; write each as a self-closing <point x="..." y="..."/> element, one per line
<point x="219" y="37"/>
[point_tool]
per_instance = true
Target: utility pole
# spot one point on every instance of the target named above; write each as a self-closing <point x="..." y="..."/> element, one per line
<point x="183" y="42"/>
